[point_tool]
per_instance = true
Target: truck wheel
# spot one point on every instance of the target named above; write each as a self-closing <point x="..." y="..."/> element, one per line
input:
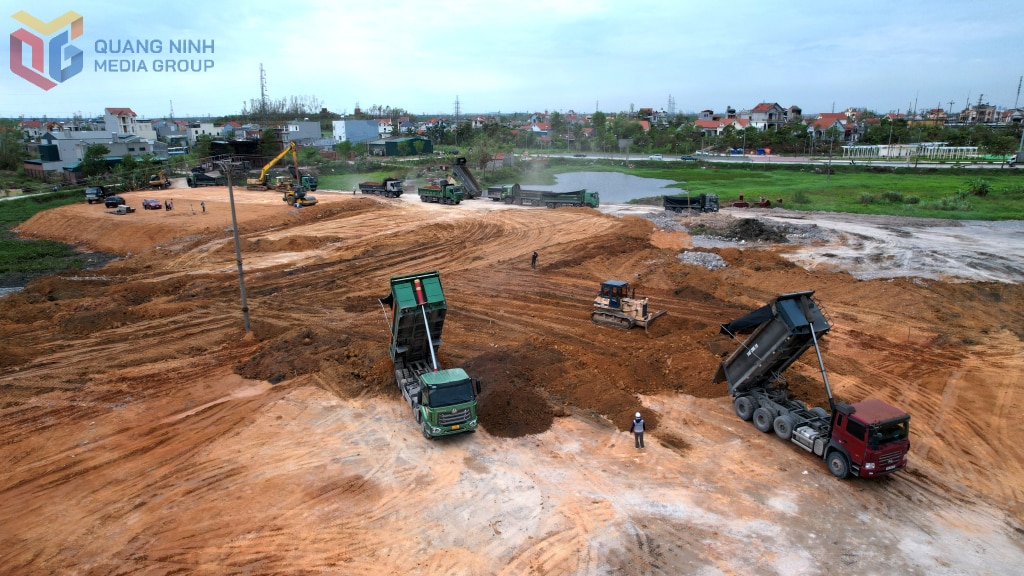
<point x="744" y="407"/>
<point x="763" y="420"/>
<point x="784" y="426"/>
<point x="819" y="412"/>
<point x="426" y="432"/>
<point x="838" y="465"/>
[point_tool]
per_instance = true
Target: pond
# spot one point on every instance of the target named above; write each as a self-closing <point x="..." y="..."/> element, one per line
<point x="614" y="187"/>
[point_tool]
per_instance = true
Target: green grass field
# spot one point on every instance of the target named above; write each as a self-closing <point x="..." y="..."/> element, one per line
<point x="963" y="194"/>
<point x="23" y="259"/>
<point x="350" y="181"/>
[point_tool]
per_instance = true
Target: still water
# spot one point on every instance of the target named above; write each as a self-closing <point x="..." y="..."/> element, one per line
<point x="614" y="187"/>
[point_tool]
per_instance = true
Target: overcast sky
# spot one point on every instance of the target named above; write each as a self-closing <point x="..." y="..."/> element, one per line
<point x="531" y="55"/>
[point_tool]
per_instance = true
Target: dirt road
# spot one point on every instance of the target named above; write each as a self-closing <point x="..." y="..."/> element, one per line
<point x="141" y="432"/>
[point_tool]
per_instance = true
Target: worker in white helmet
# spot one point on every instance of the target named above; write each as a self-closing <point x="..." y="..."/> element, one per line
<point x="637" y="428"/>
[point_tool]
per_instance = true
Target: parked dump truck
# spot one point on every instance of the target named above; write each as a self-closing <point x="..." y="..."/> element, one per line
<point x="470" y="186"/>
<point x="867" y="439"/>
<point x="307" y="181"/>
<point x="443" y="401"/>
<point x="687" y="203"/>
<point x="443" y="193"/>
<point x="389" y="188"/>
<point x="616" y="305"/>
<point x="516" y="194"/>
<point x="200" y="179"/>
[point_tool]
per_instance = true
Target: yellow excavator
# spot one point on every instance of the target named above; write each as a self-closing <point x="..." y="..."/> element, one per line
<point x="284" y="184"/>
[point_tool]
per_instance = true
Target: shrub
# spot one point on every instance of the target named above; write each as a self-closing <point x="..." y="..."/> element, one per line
<point x="958" y="202"/>
<point x="892" y="197"/>
<point x="801" y="197"/>
<point x="912" y="200"/>
<point x="866" y="198"/>
<point x="979" y="187"/>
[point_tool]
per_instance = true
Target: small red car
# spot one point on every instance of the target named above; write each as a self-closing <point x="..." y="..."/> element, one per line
<point x="152" y="204"/>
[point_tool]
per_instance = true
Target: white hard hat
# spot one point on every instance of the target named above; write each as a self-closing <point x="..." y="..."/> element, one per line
<point x="637" y="414"/>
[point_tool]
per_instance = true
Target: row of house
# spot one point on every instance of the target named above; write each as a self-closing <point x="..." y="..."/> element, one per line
<point x="61" y="145"/>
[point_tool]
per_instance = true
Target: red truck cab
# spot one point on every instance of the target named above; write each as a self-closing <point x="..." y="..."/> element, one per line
<point x="869" y="438"/>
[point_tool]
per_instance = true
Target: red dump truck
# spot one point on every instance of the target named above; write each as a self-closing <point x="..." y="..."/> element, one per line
<point x="867" y="438"/>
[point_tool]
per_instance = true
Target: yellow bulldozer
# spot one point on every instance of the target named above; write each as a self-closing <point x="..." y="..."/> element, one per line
<point x="616" y="305"/>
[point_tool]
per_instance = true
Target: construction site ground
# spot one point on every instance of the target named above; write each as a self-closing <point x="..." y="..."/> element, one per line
<point x="143" y="431"/>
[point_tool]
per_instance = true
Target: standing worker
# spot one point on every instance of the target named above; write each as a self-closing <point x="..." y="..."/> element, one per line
<point x="533" y="261"/>
<point x="637" y="428"/>
<point x="203" y="206"/>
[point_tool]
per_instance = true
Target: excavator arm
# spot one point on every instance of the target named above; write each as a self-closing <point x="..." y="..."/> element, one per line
<point x="289" y="148"/>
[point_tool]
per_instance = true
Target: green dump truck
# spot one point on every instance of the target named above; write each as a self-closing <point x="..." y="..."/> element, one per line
<point x="443" y="401"/>
<point x="516" y="194"/>
<point x="442" y="193"/>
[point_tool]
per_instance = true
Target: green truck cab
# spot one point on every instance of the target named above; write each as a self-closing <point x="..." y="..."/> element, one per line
<point x="444" y="402"/>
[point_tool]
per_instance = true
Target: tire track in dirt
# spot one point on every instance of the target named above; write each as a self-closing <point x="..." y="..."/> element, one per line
<point x="326" y="471"/>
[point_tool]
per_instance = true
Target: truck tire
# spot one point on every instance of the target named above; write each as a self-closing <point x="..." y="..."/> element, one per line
<point x="819" y="412"/>
<point x="784" y="426"/>
<point x="763" y="420"/>
<point x="426" y="432"/>
<point x="744" y="406"/>
<point x="838" y="465"/>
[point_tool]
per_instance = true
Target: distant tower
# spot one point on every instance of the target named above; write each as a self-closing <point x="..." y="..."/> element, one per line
<point x="263" y="95"/>
<point x="671" y="105"/>
<point x="172" y="109"/>
<point x="458" y="111"/>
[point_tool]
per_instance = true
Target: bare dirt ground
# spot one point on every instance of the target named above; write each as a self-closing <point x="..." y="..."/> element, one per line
<point x="143" y="432"/>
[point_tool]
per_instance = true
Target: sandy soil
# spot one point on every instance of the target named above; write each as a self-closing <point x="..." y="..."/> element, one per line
<point x="143" y="432"/>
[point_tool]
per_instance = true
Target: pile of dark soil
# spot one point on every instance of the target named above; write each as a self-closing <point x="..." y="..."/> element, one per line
<point x="753" y="230"/>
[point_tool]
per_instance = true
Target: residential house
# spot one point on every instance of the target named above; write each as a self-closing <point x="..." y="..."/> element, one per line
<point x="32" y="129"/>
<point x="384" y="127"/>
<point x="145" y="131"/>
<point x="500" y="160"/>
<point x="120" y="120"/>
<point x="818" y="126"/>
<point x="232" y="130"/>
<point x="62" y="151"/>
<point x="979" y="113"/>
<point x="197" y="129"/>
<point x="709" y="126"/>
<point x="716" y="127"/>
<point x="1012" y="116"/>
<point x="303" y="133"/>
<point x="355" y="131"/>
<point x="542" y="129"/>
<point x="766" y="116"/>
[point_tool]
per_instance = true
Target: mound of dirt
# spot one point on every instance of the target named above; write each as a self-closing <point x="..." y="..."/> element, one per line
<point x="754" y="230"/>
